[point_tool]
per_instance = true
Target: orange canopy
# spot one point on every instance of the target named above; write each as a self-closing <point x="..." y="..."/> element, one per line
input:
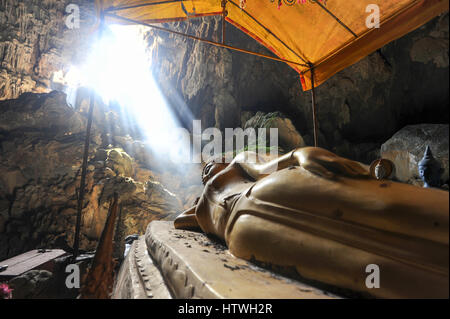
<point x="327" y="35"/>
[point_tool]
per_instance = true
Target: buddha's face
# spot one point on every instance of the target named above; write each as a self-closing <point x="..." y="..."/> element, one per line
<point x="429" y="175"/>
<point x="380" y="171"/>
<point x="211" y="169"/>
<point x="423" y="172"/>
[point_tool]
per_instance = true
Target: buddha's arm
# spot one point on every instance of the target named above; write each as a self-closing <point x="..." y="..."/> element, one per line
<point x="316" y="160"/>
<point x="261" y="169"/>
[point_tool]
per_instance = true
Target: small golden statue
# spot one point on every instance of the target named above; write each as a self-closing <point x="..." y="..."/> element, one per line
<point x="381" y="168"/>
<point x="328" y="218"/>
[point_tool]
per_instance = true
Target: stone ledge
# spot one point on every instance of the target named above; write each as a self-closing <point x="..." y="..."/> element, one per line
<point x="193" y="266"/>
<point x="138" y="277"/>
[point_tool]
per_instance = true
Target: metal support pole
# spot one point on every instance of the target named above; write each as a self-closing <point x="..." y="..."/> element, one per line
<point x="81" y="191"/>
<point x="223" y="29"/>
<point x="224" y="14"/>
<point x="313" y="98"/>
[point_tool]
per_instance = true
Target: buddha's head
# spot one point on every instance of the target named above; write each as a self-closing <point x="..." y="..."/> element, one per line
<point x="380" y="171"/>
<point x="211" y="169"/>
<point x="429" y="169"/>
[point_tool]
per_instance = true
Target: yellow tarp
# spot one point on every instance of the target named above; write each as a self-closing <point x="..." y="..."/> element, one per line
<point x="307" y="34"/>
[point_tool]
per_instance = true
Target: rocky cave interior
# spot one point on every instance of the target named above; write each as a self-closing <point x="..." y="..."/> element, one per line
<point x="390" y="104"/>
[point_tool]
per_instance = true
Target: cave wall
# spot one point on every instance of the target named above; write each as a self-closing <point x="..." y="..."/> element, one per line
<point x="42" y="140"/>
<point x="35" y="43"/>
<point x="405" y="82"/>
<point x="41" y="149"/>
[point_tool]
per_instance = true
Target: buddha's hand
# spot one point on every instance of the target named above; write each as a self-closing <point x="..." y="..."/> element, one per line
<point x="328" y="165"/>
<point x="187" y="219"/>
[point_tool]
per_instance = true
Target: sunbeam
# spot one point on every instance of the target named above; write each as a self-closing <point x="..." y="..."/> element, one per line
<point x="119" y="69"/>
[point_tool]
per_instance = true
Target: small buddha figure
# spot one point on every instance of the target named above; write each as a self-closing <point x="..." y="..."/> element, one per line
<point x="381" y="168"/>
<point x="327" y="218"/>
<point x="430" y="170"/>
<point x="380" y="171"/>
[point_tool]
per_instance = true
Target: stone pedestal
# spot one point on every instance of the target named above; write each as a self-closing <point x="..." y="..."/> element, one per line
<point x="172" y="263"/>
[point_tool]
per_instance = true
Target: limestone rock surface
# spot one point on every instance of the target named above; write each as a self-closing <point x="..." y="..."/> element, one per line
<point x="288" y="136"/>
<point x="34" y="284"/>
<point x="35" y="43"/>
<point x="406" y="148"/>
<point x="41" y="149"/>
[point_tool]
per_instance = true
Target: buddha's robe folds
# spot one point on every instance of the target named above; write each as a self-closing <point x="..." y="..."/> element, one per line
<point x="331" y="229"/>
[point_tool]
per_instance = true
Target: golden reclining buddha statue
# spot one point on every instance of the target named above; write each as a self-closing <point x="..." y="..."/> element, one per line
<point x="328" y="218"/>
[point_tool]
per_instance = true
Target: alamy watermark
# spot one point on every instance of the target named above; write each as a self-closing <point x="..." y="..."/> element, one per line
<point x="73" y="279"/>
<point x="373" y="19"/>
<point x="73" y="16"/>
<point x="373" y="279"/>
<point x="223" y="147"/>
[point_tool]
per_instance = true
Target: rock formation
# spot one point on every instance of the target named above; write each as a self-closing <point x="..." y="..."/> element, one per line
<point x="35" y="43"/>
<point x="288" y="137"/>
<point x="42" y="141"/>
<point x="406" y="148"/>
<point x="34" y="284"/>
